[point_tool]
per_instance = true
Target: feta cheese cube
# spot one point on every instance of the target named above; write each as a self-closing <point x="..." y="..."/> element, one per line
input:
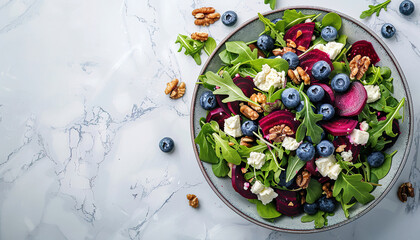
<point x="324" y="164"/>
<point x="334" y="171"/>
<point x="233" y="126"/>
<point x="347" y="156"/>
<point x="290" y="144"/>
<point x="358" y="137"/>
<point x="267" y="195"/>
<point x="373" y="93"/>
<point x="331" y="48"/>
<point x="256" y="159"/>
<point x="269" y="77"/>
<point x="364" y="126"/>
<point x="257" y="187"/>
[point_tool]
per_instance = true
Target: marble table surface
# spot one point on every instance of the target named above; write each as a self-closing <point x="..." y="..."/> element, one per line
<point x="82" y="111"/>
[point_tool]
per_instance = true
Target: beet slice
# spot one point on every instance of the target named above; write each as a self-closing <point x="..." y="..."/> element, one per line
<point x="344" y="140"/>
<point x="330" y="97"/>
<point x="323" y="180"/>
<point x="311" y="167"/>
<point x="340" y="127"/>
<point x="219" y="115"/>
<point x="308" y="60"/>
<point x="223" y="105"/>
<point x="287" y="202"/>
<point x="238" y="181"/>
<point x="352" y="102"/>
<point x="277" y="118"/>
<point x="303" y="40"/>
<point x="246" y="84"/>
<point x="395" y="129"/>
<point x="363" y="48"/>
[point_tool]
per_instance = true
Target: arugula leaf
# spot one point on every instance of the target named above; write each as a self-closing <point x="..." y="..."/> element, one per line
<point x="209" y="46"/>
<point x="377" y="129"/>
<point x="270" y="29"/>
<point x="227" y="153"/>
<point x="383" y="170"/>
<point x="272" y="3"/>
<point x="345" y="206"/>
<point x="367" y="115"/>
<point x="220" y="169"/>
<point x="207" y="153"/>
<point x="293" y="17"/>
<point x="314" y="191"/>
<point x="374" y="8"/>
<point x="339" y="67"/>
<point x="226" y="56"/>
<point x="332" y="19"/>
<point x="279" y="64"/>
<point x="320" y="219"/>
<point x="243" y="52"/>
<point x="352" y="186"/>
<point x="245" y="151"/>
<point x="226" y="87"/>
<point x="192" y="47"/>
<point x="245" y="72"/>
<point x="293" y="166"/>
<point x="267" y="211"/>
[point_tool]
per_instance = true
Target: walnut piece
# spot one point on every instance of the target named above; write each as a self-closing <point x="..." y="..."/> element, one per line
<point x="201" y="36"/>
<point x="171" y="86"/>
<point x="341" y="148"/>
<point x="358" y="66"/>
<point x="193" y="200"/>
<point x="301" y="48"/>
<point x="404" y="191"/>
<point x="281" y="52"/>
<point x="290" y="43"/>
<point x="279" y="132"/>
<point x="298" y="34"/>
<point x="304" y="76"/>
<point x="327" y="188"/>
<point x="299" y="74"/>
<point x="295" y="77"/>
<point x="178" y="92"/>
<point x="258" y="98"/>
<point x="247" y="141"/>
<point x="302" y="197"/>
<point x="199" y="15"/>
<point x="204" y="10"/>
<point x="205" y="16"/>
<point x="249" y="112"/>
<point x="303" y="179"/>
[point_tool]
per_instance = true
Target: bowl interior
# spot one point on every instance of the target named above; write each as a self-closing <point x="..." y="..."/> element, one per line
<point x="222" y="186"/>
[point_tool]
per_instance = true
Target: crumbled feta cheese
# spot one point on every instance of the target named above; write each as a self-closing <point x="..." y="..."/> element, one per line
<point x="256" y="159"/>
<point x="347" y="156"/>
<point x="358" y="137"/>
<point x="331" y="48"/>
<point x="257" y="187"/>
<point x="373" y="93"/>
<point x="328" y="166"/>
<point x="290" y="144"/>
<point x="269" y="77"/>
<point x="246" y="186"/>
<point x="267" y="195"/>
<point x="364" y="126"/>
<point x="233" y="126"/>
<point x="308" y="20"/>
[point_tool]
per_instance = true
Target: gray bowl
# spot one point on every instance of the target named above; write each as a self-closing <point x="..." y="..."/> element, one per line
<point x="222" y="186"/>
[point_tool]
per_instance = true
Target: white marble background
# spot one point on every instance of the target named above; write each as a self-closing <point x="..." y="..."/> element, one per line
<point x="82" y="111"/>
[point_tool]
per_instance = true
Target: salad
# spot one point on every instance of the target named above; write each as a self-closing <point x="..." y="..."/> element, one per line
<point x="300" y="119"/>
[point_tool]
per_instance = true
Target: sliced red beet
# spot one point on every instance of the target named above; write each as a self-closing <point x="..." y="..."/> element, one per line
<point x="323" y="180"/>
<point x="340" y="127"/>
<point x="238" y="182"/>
<point x="344" y="140"/>
<point x="395" y="129"/>
<point x="308" y="60"/>
<point x="352" y="102"/>
<point x="223" y="105"/>
<point x="277" y="118"/>
<point x="303" y="40"/>
<point x="329" y="92"/>
<point x="311" y="167"/>
<point x="234" y="107"/>
<point x="287" y="202"/>
<point x="219" y="115"/>
<point x="363" y="48"/>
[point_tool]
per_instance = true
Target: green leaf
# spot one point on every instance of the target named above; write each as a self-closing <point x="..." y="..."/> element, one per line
<point x="209" y="45"/>
<point x="342" y="39"/>
<point x="374" y="8"/>
<point x="293" y="167"/>
<point x="243" y="52"/>
<point x="383" y="170"/>
<point x="245" y="151"/>
<point x="279" y="64"/>
<point x="339" y="67"/>
<point x="272" y="3"/>
<point x="192" y="47"/>
<point x="226" y="56"/>
<point x="367" y="115"/>
<point x="319" y="218"/>
<point x="245" y="72"/>
<point x="352" y="186"/>
<point x="220" y="169"/>
<point x="226" y="87"/>
<point x="267" y="211"/>
<point x="270" y="29"/>
<point x="228" y="153"/>
<point x="314" y="191"/>
<point x="293" y="17"/>
<point x="345" y="206"/>
<point x="332" y="19"/>
<point x="207" y="153"/>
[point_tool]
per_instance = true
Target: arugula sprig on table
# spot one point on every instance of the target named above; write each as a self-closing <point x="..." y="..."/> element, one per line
<point x="193" y="47"/>
<point x="375" y="8"/>
<point x="272" y="3"/>
<point x="319" y="218"/>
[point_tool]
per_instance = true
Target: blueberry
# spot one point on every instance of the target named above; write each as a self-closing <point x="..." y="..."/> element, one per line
<point x="292" y="59"/>
<point x="340" y="83"/>
<point x="329" y="33"/>
<point x="265" y="43"/>
<point x="208" y="100"/>
<point x="321" y="70"/>
<point x="300" y="106"/>
<point x="407" y="7"/>
<point x="309" y="139"/>
<point x="326" y="204"/>
<point x="249" y="127"/>
<point x="327" y="110"/>
<point x="376" y="159"/>
<point x="276" y="20"/>
<point x="290" y="98"/>
<point x="229" y="18"/>
<point x="388" y="30"/>
<point x="310" y="208"/>
<point x="283" y="182"/>
<point x="166" y="144"/>
<point x="325" y="148"/>
<point x="305" y="152"/>
<point x="315" y="93"/>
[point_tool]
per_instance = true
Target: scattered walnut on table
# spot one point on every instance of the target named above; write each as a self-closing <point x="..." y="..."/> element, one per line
<point x="205" y="16"/>
<point x="203" y="10"/>
<point x="279" y="132"/>
<point x="193" y="200"/>
<point x="404" y="191"/>
<point x="171" y="86"/>
<point x="327" y="188"/>
<point x="358" y="66"/>
<point x="303" y="179"/>
<point x="201" y="36"/>
<point x="178" y="92"/>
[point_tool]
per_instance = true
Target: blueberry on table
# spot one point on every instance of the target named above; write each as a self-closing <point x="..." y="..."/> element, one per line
<point x="327" y="111"/>
<point x="340" y="83"/>
<point x="305" y="152"/>
<point x="229" y="18"/>
<point x="325" y="148"/>
<point x="292" y="59"/>
<point x="283" y="182"/>
<point x="376" y="159"/>
<point x="407" y="7"/>
<point x="276" y="20"/>
<point x="290" y="98"/>
<point x="208" y="100"/>
<point x="166" y="144"/>
<point x="310" y="208"/>
<point x="321" y="70"/>
<point x="388" y="30"/>
<point x="248" y="128"/>
<point x="326" y="204"/>
<point x="315" y="93"/>
<point x="329" y="33"/>
<point x="265" y="43"/>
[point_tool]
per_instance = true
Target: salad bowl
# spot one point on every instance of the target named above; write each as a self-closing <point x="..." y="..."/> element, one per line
<point x="355" y="31"/>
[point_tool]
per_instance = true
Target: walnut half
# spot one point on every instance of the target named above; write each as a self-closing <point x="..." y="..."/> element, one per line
<point x="328" y="189"/>
<point x="303" y="179"/>
<point x="404" y="191"/>
<point x="201" y="36"/>
<point x="193" y="200"/>
<point x="279" y="132"/>
<point x="358" y="66"/>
